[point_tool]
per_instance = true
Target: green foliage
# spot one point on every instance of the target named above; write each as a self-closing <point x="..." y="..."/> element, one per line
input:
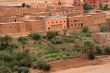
<point x="51" y="35"/>
<point x="35" y="36"/>
<point x="103" y="28"/>
<point x="43" y="65"/>
<point x="103" y="7"/>
<point x="4" y="69"/>
<point x="85" y="30"/>
<point x="91" y="55"/>
<point x="6" y="42"/>
<point x="78" y="48"/>
<point x="22" y="40"/>
<point x="87" y="7"/>
<point x="107" y="50"/>
<point x="19" y="70"/>
<point x="56" y="41"/>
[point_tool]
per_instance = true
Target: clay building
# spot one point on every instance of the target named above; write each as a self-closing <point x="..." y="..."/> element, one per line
<point x="53" y="23"/>
<point x="91" y="20"/>
<point x="38" y="5"/>
<point x="96" y="3"/>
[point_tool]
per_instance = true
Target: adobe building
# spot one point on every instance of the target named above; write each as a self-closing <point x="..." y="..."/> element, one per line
<point x="62" y="2"/>
<point x="96" y="3"/>
<point x="102" y="38"/>
<point x="18" y="11"/>
<point x="91" y="20"/>
<point x="53" y="23"/>
<point x="78" y="4"/>
<point x="38" y="5"/>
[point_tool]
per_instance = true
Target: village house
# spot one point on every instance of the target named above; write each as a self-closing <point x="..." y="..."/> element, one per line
<point x="90" y="20"/>
<point x="53" y="23"/>
<point x="38" y="5"/>
<point x="96" y="3"/>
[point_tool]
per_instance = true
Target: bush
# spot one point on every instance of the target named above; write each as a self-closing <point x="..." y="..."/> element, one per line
<point x="85" y="29"/>
<point x="51" y="35"/>
<point x="43" y="65"/>
<point x="35" y="36"/>
<point x="99" y="51"/>
<point x="56" y="41"/>
<point x="107" y="50"/>
<point x="25" y="70"/>
<point x="4" y="69"/>
<point x="91" y="55"/>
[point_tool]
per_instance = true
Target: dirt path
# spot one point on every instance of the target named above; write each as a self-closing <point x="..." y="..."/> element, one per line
<point x="104" y="68"/>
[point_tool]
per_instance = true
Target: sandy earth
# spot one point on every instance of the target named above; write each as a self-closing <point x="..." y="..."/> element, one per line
<point x="105" y="68"/>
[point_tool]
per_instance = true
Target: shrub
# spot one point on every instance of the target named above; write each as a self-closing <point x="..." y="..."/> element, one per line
<point x="43" y="65"/>
<point x="85" y="29"/>
<point x="107" y="50"/>
<point x="99" y="51"/>
<point x="91" y="55"/>
<point x="87" y="7"/>
<point x="25" y="70"/>
<point x="35" y="36"/>
<point x="56" y="41"/>
<point x="51" y="35"/>
<point x="4" y="69"/>
<point x="20" y="70"/>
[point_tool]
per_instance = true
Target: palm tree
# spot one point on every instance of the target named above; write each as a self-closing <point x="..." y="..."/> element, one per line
<point x="23" y="41"/>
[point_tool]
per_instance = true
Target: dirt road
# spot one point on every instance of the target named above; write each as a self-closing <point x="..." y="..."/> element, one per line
<point x="104" y="68"/>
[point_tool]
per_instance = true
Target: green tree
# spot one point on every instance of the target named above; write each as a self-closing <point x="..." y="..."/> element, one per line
<point x="23" y="41"/>
<point x="35" y="36"/>
<point x="88" y="46"/>
<point x="91" y="55"/>
<point x="87" y="7"/>
<point x="51" y="35"/>
<point x="85" y="30"/>
<point x="105" y="7"/>
<point x="5" y="42"/>
<point x="103" y="28"/>
<point x="107" y="50"/>
<point x="5" y="69"/>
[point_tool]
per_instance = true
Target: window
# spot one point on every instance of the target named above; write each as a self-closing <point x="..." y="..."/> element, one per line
<point x="48" y="28"/>
<point x="81" y="24"/>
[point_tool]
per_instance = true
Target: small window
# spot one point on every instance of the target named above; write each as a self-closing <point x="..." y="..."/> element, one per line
<point x="48" y="28"/>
